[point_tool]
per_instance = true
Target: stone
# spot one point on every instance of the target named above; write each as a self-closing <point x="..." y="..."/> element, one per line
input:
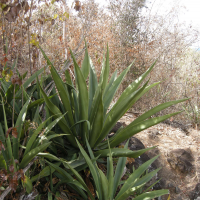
<point x="117" y="126"/>
<point x="135" y="144"/>
<point x="177" y="190"/>
<point x="195" y="194"/>
<point x="181" y="160"/>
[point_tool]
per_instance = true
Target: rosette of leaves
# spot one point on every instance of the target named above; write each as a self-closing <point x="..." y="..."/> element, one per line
<point x="87" y="105"/>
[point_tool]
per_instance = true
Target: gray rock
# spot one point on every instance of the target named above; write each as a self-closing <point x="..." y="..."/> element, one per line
<point x="195" y="194"/>
<point x="181" y="160"/>
<point x="177" y="190"/>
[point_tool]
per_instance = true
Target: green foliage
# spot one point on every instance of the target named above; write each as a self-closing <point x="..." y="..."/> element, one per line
<point x="87" y="106"/>
<point x="21" y="140"/>
<point x="106" y="185"/>
<point x="19" y="91"/>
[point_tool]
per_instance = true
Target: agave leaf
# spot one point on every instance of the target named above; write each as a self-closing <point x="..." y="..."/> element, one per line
<point x="134" y="86"/>
<point x="104" y="184"/>
<point x="110" y="172"/>
<point x="118" y="173"/>
<point x="118" y="152"/>
<point x="8" y="152"/>
<point x="67" y="176"/>
<point x="19" y="123"/>
<point x="79" y="163"/>
<point x="2" y="135"/>
<point x="151" y="195"/>
<point x="146" y="178"/>
<point x="112" y="79"/>
<point x="21" y="118"/>
<point x="157" y="109"/>
<point x="105" y="71"/>
<point x="134" y="177"/>
<point x="45" y="172"/>
<point x="117" y="112"/>
<point x="83" y="99"/>
<point x="138" y="185"/>
<point x="73" y="98"/>
<point x="46" y="130"/>
<point x="4" y="114"/>
<point x="62" y="123"/>
<point x="93" y="84"/>
<point x="30" y="155"/>
<point x="86" y="64"/>
<point x="79" y="178"/>
<point x="92" y="168"/>
<point x="68" y="78"/>
<point x="48" y="156"/>
<point x="50" y="196"/>
<point x="54" y="136"/>
<point x="97" y="120"/>
<point x="108" y="96"/>
<point x="63" y="93"/>
<point x="131" y="130"/>
<point x="34" y="136"/>
<point x="52" y="124"/>
<point x="82" y="121"/>
<point x="35" y="103"/>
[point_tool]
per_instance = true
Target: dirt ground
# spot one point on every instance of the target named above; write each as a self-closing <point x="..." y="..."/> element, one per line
<point x="169" y="138"/>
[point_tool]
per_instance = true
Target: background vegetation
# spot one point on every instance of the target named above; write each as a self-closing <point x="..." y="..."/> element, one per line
<point x="45" y="40"/>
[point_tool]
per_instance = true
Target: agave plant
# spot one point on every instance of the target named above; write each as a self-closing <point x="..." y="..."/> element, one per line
<point x="17" y="151"/>
<point x="88" y="116"/>
<point x="107" y="186"/>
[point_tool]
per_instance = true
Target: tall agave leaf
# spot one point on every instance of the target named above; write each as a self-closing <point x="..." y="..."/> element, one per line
<point x="19" y="123"/>
<point x="83" y="99"/>
<point x="61" y="90"/>
<point x="109" y="94"/>
<point x="93" y="84"/>
<point x="56" y="112"/>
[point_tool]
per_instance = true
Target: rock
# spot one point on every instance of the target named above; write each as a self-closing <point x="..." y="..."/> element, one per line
<point x="195" y="194"/>
<point x="176" y="124"/>
<point x="181" y="160"/>
<point x="117" y="126"/>
<point x="177" y="190"/>
<point x="135" y="144"/>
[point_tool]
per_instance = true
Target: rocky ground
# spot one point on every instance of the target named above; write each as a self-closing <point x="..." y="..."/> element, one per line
<point x="179" y="150"/>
